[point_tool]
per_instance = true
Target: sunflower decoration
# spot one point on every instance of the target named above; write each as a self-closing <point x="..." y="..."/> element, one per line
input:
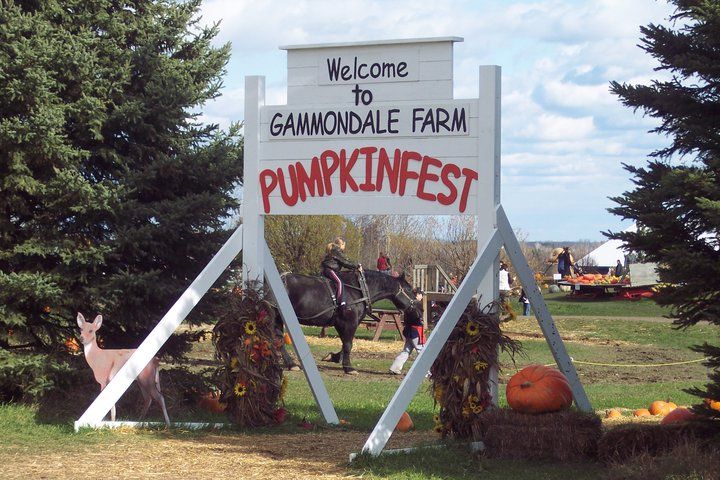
<point x="472" y="328"/>
<point x="248" y="345"/>
<point x="240" y="389"/>
<point x="461" y="373"/>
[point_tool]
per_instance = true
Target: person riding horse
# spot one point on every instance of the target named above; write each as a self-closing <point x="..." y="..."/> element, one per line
<point x="333" y="262"/>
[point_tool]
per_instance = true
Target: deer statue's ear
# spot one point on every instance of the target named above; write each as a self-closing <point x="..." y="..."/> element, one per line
<point x="80" y="319"/>
<point x="98" y="321"/>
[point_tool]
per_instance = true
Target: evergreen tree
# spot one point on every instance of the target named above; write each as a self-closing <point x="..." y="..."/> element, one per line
<point x="113" y="195"/>
<point x="676" y="199"/>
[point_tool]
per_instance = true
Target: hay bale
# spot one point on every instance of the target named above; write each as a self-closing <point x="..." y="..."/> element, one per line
<point x="560" y="436"/>
<point x="628" y="441"/>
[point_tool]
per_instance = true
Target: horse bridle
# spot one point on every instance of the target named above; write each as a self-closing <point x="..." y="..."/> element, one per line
<point x="413" y="301"/>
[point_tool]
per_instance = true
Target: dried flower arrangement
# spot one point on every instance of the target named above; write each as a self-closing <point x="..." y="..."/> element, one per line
<point x="460" y="374"/>
<point x="248" y="344"/>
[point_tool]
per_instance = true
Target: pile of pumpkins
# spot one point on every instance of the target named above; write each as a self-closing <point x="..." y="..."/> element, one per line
<point x="596" y="279"/>
<point x="669" y="411"/>
<point x="541" y="389"/>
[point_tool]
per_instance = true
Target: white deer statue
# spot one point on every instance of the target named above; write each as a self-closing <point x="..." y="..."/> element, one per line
<point x="105" y="363"/>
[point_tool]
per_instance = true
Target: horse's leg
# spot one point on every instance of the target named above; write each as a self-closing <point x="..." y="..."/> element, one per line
<point x="346" y="328"/>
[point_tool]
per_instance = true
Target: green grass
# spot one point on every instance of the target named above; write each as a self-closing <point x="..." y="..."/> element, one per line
<point x="563" y="304"/>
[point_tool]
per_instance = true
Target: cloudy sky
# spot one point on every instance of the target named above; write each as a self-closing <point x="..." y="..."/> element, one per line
<point x="564" y="136"/>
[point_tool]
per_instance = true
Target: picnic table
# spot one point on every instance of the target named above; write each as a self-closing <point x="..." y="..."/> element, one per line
<point x="392" y="319"/>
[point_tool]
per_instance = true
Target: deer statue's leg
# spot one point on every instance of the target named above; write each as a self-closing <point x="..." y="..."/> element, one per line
<point x="156" y="393"/>
<point x="112" y="409"/>
<point x="147" y="399"/>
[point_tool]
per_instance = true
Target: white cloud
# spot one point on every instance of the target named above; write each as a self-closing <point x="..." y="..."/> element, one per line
<point x="562" y="128"/>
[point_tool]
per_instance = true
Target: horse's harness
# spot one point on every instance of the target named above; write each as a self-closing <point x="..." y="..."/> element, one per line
<point x="364" y="299"/>
<point x="412" y="300"/>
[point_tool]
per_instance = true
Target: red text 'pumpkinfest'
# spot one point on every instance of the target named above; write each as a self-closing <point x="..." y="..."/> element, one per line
<point x="296" y="182"/>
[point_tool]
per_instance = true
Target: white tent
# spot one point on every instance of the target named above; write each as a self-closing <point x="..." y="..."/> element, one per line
<point x="607" y="254"/>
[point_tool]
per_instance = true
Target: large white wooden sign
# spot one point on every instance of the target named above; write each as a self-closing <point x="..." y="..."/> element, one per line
<point x="366" y="130"/>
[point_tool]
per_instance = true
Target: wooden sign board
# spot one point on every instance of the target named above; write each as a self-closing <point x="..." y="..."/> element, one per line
<point x="371" y="128"/>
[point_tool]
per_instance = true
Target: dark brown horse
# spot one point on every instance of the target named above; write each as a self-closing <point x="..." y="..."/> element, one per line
<point x="314" y="306"/>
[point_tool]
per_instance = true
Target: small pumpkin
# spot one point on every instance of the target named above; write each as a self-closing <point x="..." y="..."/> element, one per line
<point x="713" y="404"/>
<point x="641" y="412"/>
<point x="287" y="339"/>
<point x="538" y="389"/>
<point x="211" y="403"/>
<point x="678" y="415"/>
<point x="405" y="423"/>
<point x="613" y="413"/>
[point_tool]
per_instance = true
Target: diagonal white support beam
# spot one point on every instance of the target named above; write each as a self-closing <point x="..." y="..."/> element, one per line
<point x="162" y="331"/>
<point x="298" y="338"/>
<point x="545" y="320"/>
<point x="400" y="401"/>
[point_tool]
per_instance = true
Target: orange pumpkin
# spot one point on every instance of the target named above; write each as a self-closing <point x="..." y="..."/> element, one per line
<point x="287" y="339"/>
<point x="657" y="407"/>
<point x="678" y="415"/>
<point x="405" y="423"/>
<point x="610" y="414"/>
<point x="538" y="389"/>
<point x="641" y="412"/>
<point x="713" y="404"/>
<point x="211" y="402"/>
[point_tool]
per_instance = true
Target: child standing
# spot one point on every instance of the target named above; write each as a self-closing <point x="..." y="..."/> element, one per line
<point x="526" y="303"/>
<point x="414" y="338"/>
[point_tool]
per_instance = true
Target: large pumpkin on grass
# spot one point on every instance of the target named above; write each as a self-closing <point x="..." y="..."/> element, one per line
<point x="538" y="389"/>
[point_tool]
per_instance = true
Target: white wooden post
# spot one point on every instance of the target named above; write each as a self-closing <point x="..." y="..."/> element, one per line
<point x="384" y="428"/>
<point x="488" y="198"/>
<point x="545" y="320"/>
<point x="168" y="324"/>
<point x="302" y="349"/>
<point x="253" y="221"/>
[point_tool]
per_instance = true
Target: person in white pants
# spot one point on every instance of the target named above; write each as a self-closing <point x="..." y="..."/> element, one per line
<point x="414" y="339"/>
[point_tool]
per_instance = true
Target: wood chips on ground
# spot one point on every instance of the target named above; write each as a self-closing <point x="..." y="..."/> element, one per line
<point x="360" y="346"/>
<point x="316" y="455"/>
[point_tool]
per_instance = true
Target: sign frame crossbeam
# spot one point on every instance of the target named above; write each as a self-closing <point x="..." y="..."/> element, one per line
<point x="542" y="313"/>
<point x="412" y="381"/>
<point x="162" y="331"/>
<point x="502" y="235"/>
<point x="302" y="349"/>
<point x="93" y="416"/>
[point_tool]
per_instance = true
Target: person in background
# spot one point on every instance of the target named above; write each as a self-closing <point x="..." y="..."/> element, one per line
<point x="555" y="257"/>
<point x="333" y="262"/>
<point x="383" y="264"/>
<point x="525" y="301"/>
<point x="414" y="337"/>
<point x="504" y="282"/>
<point x="567" y="260"/>
<point x="618" y="269"/>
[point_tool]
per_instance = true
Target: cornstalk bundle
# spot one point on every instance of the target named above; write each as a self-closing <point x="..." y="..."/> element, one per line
<point x="248" y="346"/>
<point x="460" y="374"/>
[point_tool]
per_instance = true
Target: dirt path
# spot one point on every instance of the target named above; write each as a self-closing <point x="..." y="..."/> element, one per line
<point x="318" y="455"/>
